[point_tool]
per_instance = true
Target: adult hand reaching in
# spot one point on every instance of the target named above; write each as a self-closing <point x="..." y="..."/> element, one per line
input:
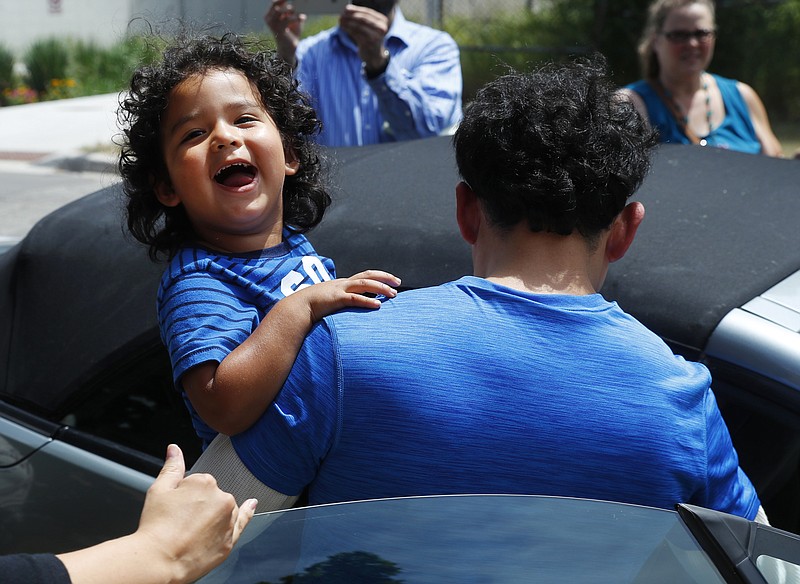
<point x="187" y="527"/>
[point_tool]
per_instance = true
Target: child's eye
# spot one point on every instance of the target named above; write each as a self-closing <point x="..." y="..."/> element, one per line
<point x="247" y="118"/>
<point x="191" y="135"/>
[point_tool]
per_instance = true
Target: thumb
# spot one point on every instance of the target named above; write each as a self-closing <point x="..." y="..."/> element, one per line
<point x="173" y="470"/>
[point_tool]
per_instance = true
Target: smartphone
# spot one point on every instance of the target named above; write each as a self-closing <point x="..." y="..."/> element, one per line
<point x="318" y="6"/>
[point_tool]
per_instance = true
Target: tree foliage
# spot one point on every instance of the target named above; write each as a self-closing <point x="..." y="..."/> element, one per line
<point x="757" y="43"/>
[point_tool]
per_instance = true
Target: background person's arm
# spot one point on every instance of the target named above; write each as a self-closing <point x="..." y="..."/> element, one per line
<point x="758" y="114"/>
<point x="287" y="28"/>
<point x="426" y="100"/>
<point x="421" y="97"/>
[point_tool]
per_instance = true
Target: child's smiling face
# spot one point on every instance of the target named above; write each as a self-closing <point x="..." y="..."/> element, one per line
<point x="226" y="161"/>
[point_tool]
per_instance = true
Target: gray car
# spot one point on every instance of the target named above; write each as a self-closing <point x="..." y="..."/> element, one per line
<point x="507" y="538"/>
<point x="86" y="402"/>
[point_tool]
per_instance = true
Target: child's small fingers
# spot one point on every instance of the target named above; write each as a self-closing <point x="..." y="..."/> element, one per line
<point x="379" y="275"/>
<point x="358" y="300"/>
<point x="363" y="285"/>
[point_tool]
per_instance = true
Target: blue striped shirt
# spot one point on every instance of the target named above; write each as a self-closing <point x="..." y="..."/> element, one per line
<point x="210" y="302"/>
<point x="419" y="94"/>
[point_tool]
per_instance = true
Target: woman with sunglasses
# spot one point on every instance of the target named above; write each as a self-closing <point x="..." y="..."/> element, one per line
<point x="680" y="98"/>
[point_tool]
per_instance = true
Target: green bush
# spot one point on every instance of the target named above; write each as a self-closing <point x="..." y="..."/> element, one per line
<point x="108" y="69"/>
<point x="778" y="45"/>
<point x="46" y="61"/>
<point x="6" y="67"/>
<point x="756" y="43"/>
<point x="6" y="72"/>
<point x="512" y="40"/>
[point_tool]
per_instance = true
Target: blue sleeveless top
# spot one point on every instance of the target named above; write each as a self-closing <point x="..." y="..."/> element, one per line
<point x="735" y="133"/>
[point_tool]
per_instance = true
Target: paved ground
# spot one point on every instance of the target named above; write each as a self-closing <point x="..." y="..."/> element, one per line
<point x="66" y="127"/>
<point x="29" y="192"/>
<point x="50" y="154"/>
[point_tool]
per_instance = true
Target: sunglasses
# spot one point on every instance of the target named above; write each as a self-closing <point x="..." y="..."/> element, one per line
<point x="701" y="35"/>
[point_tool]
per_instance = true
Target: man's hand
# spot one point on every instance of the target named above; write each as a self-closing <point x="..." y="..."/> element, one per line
<point x="287" y="28"/>
<point x="367" y="28"/>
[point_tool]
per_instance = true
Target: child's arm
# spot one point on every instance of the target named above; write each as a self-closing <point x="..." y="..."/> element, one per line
<point x="232" y="395"/>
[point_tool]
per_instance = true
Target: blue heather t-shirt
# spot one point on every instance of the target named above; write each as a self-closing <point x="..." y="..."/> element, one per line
<point x="209" y="302"/>
<point x="472" y="387"/>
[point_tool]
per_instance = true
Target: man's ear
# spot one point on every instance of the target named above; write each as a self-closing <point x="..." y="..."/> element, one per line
<point x="166" y="195"/>
<point x="468" y="212"/>
<point x="623" y="231"/>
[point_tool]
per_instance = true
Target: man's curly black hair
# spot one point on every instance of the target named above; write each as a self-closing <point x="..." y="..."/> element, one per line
<point x="555" y="147"/>
<point x="141" y="162"/>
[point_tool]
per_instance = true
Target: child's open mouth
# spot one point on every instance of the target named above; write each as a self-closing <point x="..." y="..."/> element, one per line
<point x="236" y="175"/>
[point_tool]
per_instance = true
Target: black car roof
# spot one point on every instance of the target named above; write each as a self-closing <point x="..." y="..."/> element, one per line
<point x="720" y="228"/>
<point x="83" y="296"/>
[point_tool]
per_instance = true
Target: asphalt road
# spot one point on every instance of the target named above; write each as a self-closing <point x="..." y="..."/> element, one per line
<point x="28" y="192"/>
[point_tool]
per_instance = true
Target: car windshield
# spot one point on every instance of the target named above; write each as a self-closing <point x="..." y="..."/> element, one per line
<point x="469" y="538"/>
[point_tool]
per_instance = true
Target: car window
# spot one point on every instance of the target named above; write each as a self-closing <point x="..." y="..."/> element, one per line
<point x="777" y="571"/>
<point x="468" y="539"/>
<point x="135" y="404"/>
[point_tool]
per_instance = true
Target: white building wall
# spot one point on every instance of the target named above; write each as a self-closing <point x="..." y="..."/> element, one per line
<point x="106" y="21"/>
<point x="23" y="21"/>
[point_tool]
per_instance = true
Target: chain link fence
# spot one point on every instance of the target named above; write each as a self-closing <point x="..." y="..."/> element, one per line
<point x="433" y="12"/>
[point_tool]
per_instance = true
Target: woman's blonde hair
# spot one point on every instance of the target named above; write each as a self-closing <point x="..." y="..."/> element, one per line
<point x="656" y="15"/>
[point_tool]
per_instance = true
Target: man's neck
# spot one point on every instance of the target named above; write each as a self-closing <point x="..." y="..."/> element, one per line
<point x="542" y="263"/>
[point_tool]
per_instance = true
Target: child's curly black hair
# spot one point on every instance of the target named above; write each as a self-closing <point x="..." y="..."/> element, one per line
<point x="141" y="161"/>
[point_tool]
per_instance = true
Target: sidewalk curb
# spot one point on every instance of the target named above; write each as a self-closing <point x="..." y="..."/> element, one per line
<point x="81" y="162"/>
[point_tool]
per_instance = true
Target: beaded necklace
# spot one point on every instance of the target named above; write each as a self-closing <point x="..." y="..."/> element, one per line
<point x="683" y="117"/>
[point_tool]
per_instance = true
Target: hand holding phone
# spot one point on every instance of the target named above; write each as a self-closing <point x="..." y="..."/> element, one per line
<point x="319" y="6"/>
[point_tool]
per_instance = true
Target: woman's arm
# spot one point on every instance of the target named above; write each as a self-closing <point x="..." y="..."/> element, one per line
<point x="232" y="395"/>
<point x="758" y="113"/>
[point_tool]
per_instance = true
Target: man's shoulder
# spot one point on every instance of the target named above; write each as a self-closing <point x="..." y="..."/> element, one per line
<point x="407" y="304"/>
<point x="416" y="33"/>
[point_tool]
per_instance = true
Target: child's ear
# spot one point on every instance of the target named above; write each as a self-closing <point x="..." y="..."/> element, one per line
<point x="292" y="166"/>
<point x="292" y="163"/>
<point x="166" y="195"/>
